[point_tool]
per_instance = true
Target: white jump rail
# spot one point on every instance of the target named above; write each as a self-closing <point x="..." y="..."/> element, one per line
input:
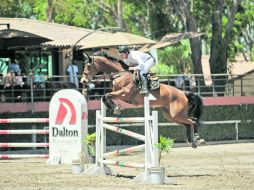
<point x="21" y="132"/>
<point x="150" y="139"/>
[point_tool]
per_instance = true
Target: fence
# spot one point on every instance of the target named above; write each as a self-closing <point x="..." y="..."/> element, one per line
<point x="35" y="132"/>
<point x="204" y="85"/>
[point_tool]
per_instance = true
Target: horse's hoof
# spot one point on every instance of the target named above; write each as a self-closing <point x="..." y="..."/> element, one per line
<point x="194" y="145"/>
<point x="117" y="111"/>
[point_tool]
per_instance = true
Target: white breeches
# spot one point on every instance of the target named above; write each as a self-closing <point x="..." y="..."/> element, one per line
<point x="146" y="66"/>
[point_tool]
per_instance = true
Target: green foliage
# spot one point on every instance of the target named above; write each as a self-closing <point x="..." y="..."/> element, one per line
<point x="163" y="69"/>
<point x="16" y="8"/>
<point x="174" y="59"/>
<point x="252" y="54"/>
<point x="90" y="140"/>
<point x="165" y="144"/>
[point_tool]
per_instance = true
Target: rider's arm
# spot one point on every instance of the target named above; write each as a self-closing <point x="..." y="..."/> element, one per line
<point x="135" y="58"/>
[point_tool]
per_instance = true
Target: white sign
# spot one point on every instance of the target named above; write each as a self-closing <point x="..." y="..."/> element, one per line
<point x="67" y="125"/>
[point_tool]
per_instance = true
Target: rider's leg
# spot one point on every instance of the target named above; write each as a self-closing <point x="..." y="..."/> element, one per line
<point x="144" y="84"/>
<point x="144" y="69"/>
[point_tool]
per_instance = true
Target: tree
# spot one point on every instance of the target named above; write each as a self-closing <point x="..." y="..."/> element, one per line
<point x="244" y="29"/>
<point x="183" y="9"/>
<point x="50" y="10"/>
<point x="14" y="8"/>
<point x="221" y="38"/>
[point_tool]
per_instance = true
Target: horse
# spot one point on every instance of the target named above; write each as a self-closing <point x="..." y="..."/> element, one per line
<point x="177" y="106"/>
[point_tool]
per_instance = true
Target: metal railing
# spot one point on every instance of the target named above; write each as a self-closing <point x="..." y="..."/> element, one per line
<point x="34" y="90"/>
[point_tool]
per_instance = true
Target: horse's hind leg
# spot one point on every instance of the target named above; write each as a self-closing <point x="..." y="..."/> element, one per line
<point x="191" y="131"/>
<point x="188" y="123"/>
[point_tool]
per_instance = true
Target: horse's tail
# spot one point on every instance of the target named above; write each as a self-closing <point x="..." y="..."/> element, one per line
<point x="195" y="106"/>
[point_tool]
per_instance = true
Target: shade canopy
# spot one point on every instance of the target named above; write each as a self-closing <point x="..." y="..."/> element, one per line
<point x="15" y="38"/>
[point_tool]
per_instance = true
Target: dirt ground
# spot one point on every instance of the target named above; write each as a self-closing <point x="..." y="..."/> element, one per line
<point x="227" y="167"/>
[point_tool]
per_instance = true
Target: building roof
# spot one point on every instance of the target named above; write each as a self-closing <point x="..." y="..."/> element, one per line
<point x="239" y="67"/>
<point x="61" y="35"/>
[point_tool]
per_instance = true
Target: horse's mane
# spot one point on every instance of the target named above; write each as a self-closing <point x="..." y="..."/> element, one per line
<point x="112" y="58"/>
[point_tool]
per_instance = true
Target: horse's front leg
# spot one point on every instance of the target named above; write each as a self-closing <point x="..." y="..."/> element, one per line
<point x="107" y="100"/>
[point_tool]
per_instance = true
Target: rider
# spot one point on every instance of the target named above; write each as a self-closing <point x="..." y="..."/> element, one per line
<point x="139" y="60"/>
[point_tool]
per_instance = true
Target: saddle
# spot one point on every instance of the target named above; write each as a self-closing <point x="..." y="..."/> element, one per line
<point x="153" y="80"/>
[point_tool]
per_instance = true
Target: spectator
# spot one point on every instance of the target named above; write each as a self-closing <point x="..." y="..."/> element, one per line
<point x="8" y="80"/>
<point x="72" y="70"/>
<point x="39" y="80"/>
<point x="19" y="79"/>
<point x="184" y="82"/>
<point x="14" y="66"/>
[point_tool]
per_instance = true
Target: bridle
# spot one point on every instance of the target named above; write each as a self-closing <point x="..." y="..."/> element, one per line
<point x="90" y="62"/>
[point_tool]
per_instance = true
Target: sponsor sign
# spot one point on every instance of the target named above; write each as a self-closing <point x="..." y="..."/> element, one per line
<point x="67" y="125"/>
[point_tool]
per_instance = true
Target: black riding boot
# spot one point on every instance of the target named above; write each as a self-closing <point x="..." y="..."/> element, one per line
<point x="144" y="80"/>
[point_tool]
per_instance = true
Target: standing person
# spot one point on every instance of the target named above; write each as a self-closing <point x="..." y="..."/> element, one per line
<point x="14" y="66"/>
<point x="139" y="60"/>
<point x="72" y="70"/>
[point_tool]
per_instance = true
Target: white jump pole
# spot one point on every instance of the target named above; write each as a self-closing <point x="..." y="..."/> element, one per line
<point x="25" y="120"/>
<point x="25" y="131"/>
<point x="155" y="157"/>
<point x="11" y="156"/>
<point x="24" y="145"/>
<point x="147" y="135"/>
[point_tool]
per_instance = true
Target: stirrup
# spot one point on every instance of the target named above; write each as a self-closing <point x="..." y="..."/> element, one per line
<point x="144" y="92"/>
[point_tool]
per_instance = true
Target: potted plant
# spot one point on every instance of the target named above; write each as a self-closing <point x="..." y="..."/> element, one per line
<point x="165" y="144"/>
<point x="158" y="173"/>
<point x="90" y="140"/>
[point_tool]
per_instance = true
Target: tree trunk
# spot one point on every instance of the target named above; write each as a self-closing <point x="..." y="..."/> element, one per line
<point x="50" y="11"/>
<point x="183" y="9"/>
<point x="219" y="45"/>
<point x="119" y="14"/>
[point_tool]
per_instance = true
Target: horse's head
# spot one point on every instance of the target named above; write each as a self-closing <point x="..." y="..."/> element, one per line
<point x="90" y="69"/>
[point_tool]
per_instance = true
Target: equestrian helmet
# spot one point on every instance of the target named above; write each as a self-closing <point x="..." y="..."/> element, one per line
<point x="123" y="49"/>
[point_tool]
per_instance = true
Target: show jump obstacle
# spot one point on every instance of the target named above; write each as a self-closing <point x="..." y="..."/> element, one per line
<point x="67" y="126"/>
<point x="150" y="139"/>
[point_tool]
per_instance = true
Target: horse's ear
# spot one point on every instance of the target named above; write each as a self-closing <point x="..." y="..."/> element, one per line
<point x="87" y="59"/>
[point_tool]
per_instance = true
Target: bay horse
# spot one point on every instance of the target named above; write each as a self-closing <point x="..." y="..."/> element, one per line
<point x="177" y="106"/>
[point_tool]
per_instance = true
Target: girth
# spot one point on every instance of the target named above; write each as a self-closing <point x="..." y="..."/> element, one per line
<point x="113" y="76"/>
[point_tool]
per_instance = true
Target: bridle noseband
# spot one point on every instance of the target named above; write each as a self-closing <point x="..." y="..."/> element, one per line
<point x="93" y="68"/>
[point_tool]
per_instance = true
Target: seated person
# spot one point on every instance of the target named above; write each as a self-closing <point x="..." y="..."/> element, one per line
<point x="19" y="79"/>
<point x="8" y="80"/>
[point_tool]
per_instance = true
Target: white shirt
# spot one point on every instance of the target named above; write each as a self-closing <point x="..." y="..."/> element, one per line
<point x="136" y="58"/>
<point x="141" y="61"/>
<point x="73" y="77"/>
